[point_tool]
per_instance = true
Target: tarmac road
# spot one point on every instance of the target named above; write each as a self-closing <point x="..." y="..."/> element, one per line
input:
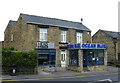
<point x="58" y="77"/>
<point x="106" y="78"/>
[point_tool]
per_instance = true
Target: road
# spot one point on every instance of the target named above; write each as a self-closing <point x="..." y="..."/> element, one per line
<point x="78" y="79"/>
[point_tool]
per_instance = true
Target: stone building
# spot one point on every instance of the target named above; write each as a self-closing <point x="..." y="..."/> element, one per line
<point x="50" y="37"/>
<point x="111" y="39"/>
<point x="10" y="29"/>
<point x="1" y="44"/>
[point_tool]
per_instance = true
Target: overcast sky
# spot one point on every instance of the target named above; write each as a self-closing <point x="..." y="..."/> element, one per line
<point x="96" y="14"/>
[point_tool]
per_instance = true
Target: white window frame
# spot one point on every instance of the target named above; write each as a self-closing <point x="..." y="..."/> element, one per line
<point x="63" y="36"/>
<point x="43" y="34"/>
<point x="63" y="55"/>
<point x="78" y="37"/>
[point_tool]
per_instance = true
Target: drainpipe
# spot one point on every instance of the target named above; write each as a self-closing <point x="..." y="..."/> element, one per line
<point x="115" y="43"/>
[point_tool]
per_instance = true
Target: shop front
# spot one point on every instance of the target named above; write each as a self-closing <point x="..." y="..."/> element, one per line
<point x="47" y="54"/>
<point x="87" y="56"/>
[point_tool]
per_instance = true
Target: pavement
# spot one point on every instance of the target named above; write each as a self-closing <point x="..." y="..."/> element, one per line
<point x="58" y="74"/>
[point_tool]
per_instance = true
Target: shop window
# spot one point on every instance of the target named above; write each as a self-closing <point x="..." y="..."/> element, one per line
<point x="43" y="59"/>
<point x="100" y="58"/>
<point x="79" y="37"/>
<point x="43" y="34"/>
<point x="95" y="58"/>
<point x="91" y="58"/>
<point x="46" y="59"/>
<point x="73" y="57"/>
<point x="52" y="59"/>
<point x="63" y="36"/>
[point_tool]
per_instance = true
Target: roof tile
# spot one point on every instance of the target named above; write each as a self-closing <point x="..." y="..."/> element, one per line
<point x="53" y="22"/>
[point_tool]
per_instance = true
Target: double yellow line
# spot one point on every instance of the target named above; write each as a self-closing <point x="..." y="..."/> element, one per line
<point x="58" y="77"/>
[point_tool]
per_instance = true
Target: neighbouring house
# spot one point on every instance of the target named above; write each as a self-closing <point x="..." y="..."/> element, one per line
<point x="112" y="40"/>
<point x="1" y="44"/>
<point x="58" y="42"/>
<point x="10" y="29"/>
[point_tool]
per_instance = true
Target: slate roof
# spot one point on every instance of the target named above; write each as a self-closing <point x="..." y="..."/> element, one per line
<point x="13" y="22"/>
<point x="113" y="34"/>
<point x="53" y="22"/>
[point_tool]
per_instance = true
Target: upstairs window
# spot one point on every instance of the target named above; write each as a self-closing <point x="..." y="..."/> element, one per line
<point x="79" y="37"/>
<point x="63" y="36"/>
<point x="43" y="34"/>
<point x="11" y="37"/>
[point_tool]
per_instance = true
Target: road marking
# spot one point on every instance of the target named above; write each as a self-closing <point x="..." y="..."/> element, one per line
<point x="57" y="77"/>
<point x="106" y="80"/>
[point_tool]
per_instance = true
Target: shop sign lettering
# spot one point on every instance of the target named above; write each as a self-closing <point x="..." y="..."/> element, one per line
<point x="74" y="46"/>
<point x="87" y="46"/>
<point x="42" y="45"/>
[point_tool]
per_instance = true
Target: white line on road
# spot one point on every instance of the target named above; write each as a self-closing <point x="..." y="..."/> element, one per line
<point x="106" y="80"/>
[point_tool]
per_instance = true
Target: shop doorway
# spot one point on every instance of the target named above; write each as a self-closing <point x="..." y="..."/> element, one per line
<point x="73" y="57"/>
<point x="63" y="58"/>
<point x="85" y="60"/>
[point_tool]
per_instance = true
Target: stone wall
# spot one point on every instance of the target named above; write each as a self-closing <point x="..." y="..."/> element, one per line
<point x="118" y="46"/>
<point x="7" y="35"/>
<point x="71" y="36"/>
<point x="86" y="37"/>
<point x="20" y="34"/>
<point x="74" y="68"/>
<point x="96" y="68"/>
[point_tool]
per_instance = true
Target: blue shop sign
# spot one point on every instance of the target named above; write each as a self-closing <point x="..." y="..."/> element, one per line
<point x="74" y="45"/>
<point x="93" y="46"/>
<point x="87" y="46"/>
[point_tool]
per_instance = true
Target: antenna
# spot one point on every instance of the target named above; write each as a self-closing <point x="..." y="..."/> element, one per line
<point x="99" y="25"/>
<point x="81" y="20"/>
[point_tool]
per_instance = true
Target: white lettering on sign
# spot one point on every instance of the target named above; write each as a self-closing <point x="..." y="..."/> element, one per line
<point x="87" y="45"/>
<point x="45" y="45"/>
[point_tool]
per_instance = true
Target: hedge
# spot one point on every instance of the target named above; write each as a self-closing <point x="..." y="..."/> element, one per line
<point x="19" y="58"/>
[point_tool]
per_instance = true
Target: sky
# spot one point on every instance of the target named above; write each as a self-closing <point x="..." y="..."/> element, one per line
<point x="96" y="14"/>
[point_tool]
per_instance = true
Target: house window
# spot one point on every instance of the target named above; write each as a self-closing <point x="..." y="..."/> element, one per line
<point x="79" y="37"/>
<point x="63" y="36"/>
<point x="43" y="34"/>
<point x="12" y="37"/>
